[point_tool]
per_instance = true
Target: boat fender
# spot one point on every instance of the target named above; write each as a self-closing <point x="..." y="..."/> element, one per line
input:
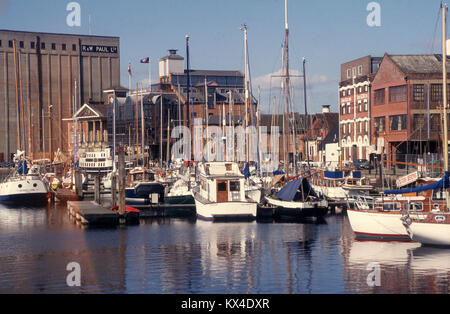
<point x="439" y="219"/>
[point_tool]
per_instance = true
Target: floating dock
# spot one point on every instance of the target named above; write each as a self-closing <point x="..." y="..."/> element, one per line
<point x="91" y="213"/>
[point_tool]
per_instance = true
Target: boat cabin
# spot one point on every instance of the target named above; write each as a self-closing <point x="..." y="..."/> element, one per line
<point x="222" y="182"/>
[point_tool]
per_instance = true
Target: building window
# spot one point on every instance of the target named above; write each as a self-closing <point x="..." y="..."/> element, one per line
<point x="380" y="124"/>
<point x="349" y="73"/>
<point x="21" y="44"/>
<point x="398" y="123"/>
<point x="366" y="88"/>
<point x="418" y="92"/>
<point x="379" y="96"/>
<point x="64" y="47"/>
<point x="53" y="46"/>
<point x="354" y="72"/>
<point x="397" y="93"/>
<point x="360" y="70"/>
<point x="32" y="45"/>
<point x="419" y="122"/>
<point x="0" y="43"/>
<point x="43" y="46"/>
<point x="435" y="122"/>
<point x="74" y="47"/>
<point x="436" y="92"/>
<point x="366" y="106"/>
<point x="10" y="44"/>
<point x="366" y="127"/>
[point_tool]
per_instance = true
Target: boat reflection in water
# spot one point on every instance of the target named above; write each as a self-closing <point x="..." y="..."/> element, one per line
<point x="405" y="267"/>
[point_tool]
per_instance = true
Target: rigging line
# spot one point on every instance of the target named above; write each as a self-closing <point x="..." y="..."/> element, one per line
<point x="433" y="41"/>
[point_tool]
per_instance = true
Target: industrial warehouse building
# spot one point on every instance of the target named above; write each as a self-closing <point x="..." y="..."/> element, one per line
<point x="38" y="74"/>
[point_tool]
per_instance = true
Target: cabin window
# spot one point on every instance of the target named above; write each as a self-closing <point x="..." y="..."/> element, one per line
<point x="235" y="186"/>
<point x="222" y="187"/>
<point x="390" y="206"/>
<point x="418" y="207"/>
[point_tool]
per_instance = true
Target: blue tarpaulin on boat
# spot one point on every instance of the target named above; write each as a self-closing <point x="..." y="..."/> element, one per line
<point x="287" y="193"/>
<point x="246" y="171"/>
<point x="357" y="174"/>
<point x="334" y="174"/>
<point x="278" y="173"/>
<point x="22" y="167"/>
<point x="441" y="184"/>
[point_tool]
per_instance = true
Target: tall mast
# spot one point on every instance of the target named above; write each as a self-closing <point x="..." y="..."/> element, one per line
<point x="286" y="57"/>
<point x="444" y="91"/>
<point x="75" y="122"/>
<point x="188" y="117"/>
<point x="17" y="96"/>
<point x="306" y="112"/>
<point x="142" y="128"/>
<point x="206" y="113"/>
<point x="247" y="87"/>
<point x="136" y="145"/>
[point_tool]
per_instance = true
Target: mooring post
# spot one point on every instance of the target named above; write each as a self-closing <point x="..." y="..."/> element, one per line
<point x="121" y="182"/>
<point x="78" y="184"/>
<point x="97" y="189"/>
<point x="113" y="190"/>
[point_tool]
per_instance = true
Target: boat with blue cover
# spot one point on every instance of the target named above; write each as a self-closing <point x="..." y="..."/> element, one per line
<point x="298" y="199"/>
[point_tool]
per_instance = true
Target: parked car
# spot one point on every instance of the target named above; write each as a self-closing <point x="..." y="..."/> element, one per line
<point x="362" y="164"/>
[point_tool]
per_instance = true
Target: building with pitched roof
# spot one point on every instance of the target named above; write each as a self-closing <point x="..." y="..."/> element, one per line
<point x="406" y="105"/>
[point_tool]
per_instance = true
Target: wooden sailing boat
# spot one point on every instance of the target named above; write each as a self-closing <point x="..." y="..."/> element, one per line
<point x="297" y="198"/>
<point x="434" y="229"/>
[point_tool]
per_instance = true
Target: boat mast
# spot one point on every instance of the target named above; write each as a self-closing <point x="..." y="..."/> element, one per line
<point x="142" y="127"/>
<point x="287" y="81"/>
<point x="17" y="95"/>
<point x="306" y="113"/>
<point x="75" y="122"/>
<point x="247" y="86"/>
<point x="444" y="91"/>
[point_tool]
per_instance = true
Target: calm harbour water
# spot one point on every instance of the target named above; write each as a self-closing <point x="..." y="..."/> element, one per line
<point x="195" y="257"/>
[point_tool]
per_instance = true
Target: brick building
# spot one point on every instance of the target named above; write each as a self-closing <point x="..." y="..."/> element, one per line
<point x="37" y="74"/>
<point x="407" y="97"/>
<point x="354" y="111"/>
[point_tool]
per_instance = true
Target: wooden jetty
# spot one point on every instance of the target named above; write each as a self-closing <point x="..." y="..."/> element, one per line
<point x="91" y="213"/>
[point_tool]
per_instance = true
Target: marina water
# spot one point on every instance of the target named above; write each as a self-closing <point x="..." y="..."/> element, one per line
<point x="167" y="256"/>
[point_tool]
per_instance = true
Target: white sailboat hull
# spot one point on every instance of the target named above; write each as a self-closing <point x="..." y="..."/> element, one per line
<point x="377" y="225"/>
<point x="430" y="233"/>
<point x="306" y="209"/>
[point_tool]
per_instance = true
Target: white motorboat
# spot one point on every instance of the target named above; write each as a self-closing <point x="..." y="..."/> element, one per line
<point x="24" y="187"/>
<point x="221" y="193"/>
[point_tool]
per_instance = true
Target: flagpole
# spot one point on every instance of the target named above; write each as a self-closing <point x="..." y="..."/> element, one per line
<point x="129" y="77"/>
<point x="150" y="74"/>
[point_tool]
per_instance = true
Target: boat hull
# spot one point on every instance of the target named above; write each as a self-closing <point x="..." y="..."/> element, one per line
<point x="27" y="190"/>
<point x="299" y="209"/>
<point x="28" y="199"/>
<point x="432" y="234"/>
<point x="370" y="225"/>
<point x="180" y="200"/>
<point x="228" y="210"/>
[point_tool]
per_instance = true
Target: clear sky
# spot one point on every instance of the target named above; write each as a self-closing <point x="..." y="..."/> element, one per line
<point x="328" y="33"/>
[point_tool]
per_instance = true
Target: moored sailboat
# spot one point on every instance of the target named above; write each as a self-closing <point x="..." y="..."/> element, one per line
<point x="434" y="228"/>
<point x="24" y="187"/>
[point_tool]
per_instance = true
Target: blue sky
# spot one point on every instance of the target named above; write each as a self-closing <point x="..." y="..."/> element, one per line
<point x="328" y="33"/>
